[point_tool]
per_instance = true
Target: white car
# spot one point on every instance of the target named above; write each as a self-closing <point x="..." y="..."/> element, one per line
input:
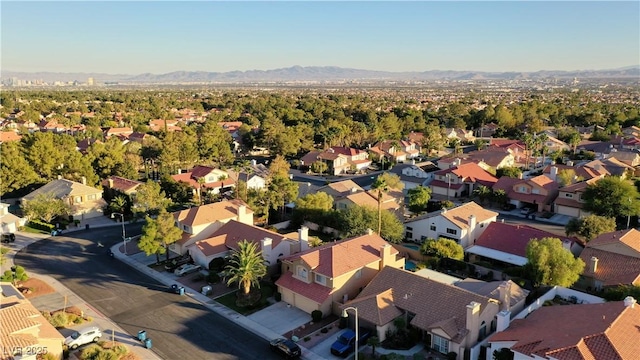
<point x="83" y="336"/>
<point x="186" y="269"/>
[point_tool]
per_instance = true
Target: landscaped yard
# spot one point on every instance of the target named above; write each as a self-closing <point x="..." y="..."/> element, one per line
<point x="229" y="300"/>
<point x="34" y="287"/>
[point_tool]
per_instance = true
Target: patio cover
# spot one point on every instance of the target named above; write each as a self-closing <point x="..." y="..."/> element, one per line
<point x="497" y="255"/>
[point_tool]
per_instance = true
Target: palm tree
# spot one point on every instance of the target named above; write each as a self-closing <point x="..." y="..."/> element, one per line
<point x="384" y="183"/>
<point x="373" y="342"/>
<point x="482" y="192"/>
<point x="246" y="266"/>
<point x="542" y="141"/>
<point x="528" y="143"/>
<point x="201" y="181"/>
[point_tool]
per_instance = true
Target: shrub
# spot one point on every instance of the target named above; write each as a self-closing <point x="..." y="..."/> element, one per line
<point x="90" y="352"/>
<point x="213" y="277"/>
<point x="217" y="264"/>
<point x="452" y="355"/>
<point x="59" y="319"/>
<point x="277" y="296"/>
<point x="120" y="350"/>
<point x="316" y="315"/>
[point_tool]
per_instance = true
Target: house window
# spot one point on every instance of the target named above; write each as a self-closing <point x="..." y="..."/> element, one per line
<point x="409" y="228"/>
<point x="522" y="189"/>
<point x="91" y="197"/>
<point x="535" y="191"/>
<point x="568" y="195"/>
<point x="302" y="272"/>
<point x="439" y="344"/>
<point x="77" y="199"/>
<point x="321" y="279"/>
<point x="452" y="231"/>
<point x="409" y="235"/>
<point x="483" y="331"/>
<point x="432" y="227"/>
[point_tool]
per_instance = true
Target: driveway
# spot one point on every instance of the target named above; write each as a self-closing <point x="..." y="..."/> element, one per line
<point x="280" y="317"/>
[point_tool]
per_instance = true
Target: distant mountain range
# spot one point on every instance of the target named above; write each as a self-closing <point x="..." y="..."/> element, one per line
<point x="320" y="74"/>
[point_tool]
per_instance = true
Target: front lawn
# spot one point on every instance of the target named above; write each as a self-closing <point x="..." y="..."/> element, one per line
<point x="29" y="229"/>
<point x="229" y="300"/>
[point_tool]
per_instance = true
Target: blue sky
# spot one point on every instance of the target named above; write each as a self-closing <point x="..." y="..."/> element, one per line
<point x="162" y="36"/>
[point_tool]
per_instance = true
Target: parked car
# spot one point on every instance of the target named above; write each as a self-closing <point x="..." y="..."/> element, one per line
<point x="82" y="337"/>
<point x="174" y="263"/>
<point x="8" y="238"/>
<point x="286" y="348"/>
<point x="186" y="269"/>
<point x="526" y="211"/>
<point x="345" y="343"/>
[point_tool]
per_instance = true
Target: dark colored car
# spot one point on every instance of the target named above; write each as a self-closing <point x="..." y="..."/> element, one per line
<point x="8" y="238"/>
<point x="286" y="348"/>
<point x="345" y="343"/>
<point x="175" y="263"/>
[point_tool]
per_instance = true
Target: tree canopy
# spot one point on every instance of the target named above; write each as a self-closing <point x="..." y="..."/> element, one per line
<point x="246" y="266"/>
<point x="590" y="227"/>
<point x="419" y="198"/>
<point x="551" y="264"/>
<point x="611" y="197"/>
<point x="442" y="248"/>
<point x="356" y="220"/>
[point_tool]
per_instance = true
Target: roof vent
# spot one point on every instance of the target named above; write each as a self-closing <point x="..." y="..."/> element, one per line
<point x="630" y="302"/>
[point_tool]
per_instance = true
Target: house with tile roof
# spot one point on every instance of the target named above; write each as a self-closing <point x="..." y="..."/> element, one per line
<point x="460" y="180"/>
<point x="413" y="175"/>
<point x="463" y="135"/>
<point x="398" y="151"/>
<point x="120" y="131"/>
<point x="391" y="201"/>
<point x="510" y="295"/>
<point x="582" y="172"/>
<point x="582" y="331"/>
<point x="463" y="224"/>
<point x="6" y="136"/>
<point x="570" y="202"/>
<point x="24" y="332"/>
<point x="490" y="159"/>
<point x="610" y="166"/>
<point x="612" y="259"/>
<point x="537" y="193"/>
<point x="340" y="189"/>
<point x="118" y="184"/>
<point x="9" y="222"/>
<point x="631" y="158"/>
<point x="273" y="246"/>
<point x="487" y="130"/>
<point x="339" y="160"/>
<point x="161" y="125"/>
<point x="506" y="244"/>
<point x="199" y="222"/>
<point x="84" y="201"/>
<point x="326" y="276"/>
<point x="449" y="318"/>
<point x="213" y="180"/>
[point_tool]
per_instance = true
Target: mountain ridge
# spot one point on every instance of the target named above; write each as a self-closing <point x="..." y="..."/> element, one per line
<point x="320" y="73"/>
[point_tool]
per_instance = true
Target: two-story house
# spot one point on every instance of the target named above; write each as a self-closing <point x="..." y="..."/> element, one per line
<point x="390" y="201"/>
<point x="339" y="160"/>
<point x="205" y="178"/>
<point x="570" y="202"/>
<point x="272" y="245"/>
<point x="630" y="158"/>
<point x="23" y="329"/>
<point x="460" y="180"/>
<point x="537" y="193"/>
<point x="162" y="125"/>
<point x="323" y="277"/>
<point x="199" y="222"/>
<point x="9" y="223"/>
<point x="398" y="151"/>
<point x="462" y="135"/>
<point x="581" y="331"/>
<point x="117" y="184"/>
<point x="612" y="259"/>
<point x="464" y="224"/>
<point x="449" y="318"/>
<point x="339" y="189"/>
<point x="84" y="201"/>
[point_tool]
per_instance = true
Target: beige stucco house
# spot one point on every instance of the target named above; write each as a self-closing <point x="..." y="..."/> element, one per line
<point x="84" y="201"/>
<point x="324" y="277"/>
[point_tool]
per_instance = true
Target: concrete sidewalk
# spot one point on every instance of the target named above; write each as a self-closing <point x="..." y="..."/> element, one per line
<point x="140" y="263"/>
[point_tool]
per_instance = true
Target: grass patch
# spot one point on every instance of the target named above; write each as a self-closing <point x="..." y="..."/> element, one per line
<point x="29" y="229"/>
<point x="229" y="300"/>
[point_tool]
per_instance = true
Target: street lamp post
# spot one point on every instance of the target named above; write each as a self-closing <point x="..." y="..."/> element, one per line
<point x="629" y="216"/>
<point x="345" y="315"/>
<point x="124" y="237"/>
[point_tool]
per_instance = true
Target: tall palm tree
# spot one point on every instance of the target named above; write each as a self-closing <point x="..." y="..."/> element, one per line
<point x="383" y="184"/>
<point x="246" y="266"/>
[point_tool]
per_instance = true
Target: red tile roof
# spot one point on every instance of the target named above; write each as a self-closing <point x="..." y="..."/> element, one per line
<point x="612" y="269"/>
<point x="587" y="331"/>
<point x="9" y="136"/>
<point x="630" y="238"/>
<point x="471" y="173"/>
<point x="312" y="291"/>
<point x="121" y="184"/>
<point x="513" y="239"/>
<point x="210" y="213"/>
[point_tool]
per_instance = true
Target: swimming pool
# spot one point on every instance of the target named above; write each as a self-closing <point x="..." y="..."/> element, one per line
<point x="410" y="266"/>
<point x="412" y="246"/>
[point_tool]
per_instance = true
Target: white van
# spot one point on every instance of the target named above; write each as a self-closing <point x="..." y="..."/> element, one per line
<point x="83" y="336"/>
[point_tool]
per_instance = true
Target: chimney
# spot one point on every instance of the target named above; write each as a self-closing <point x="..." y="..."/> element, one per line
<point x="569" y="163"/>
<point x="179" y="171"/>
<point x="554" y="173"/>
<point x="266" y="248"/>
<point x="385" y="255"/>
<point x="504" y="318"/>
<point x="413" y="161"/>
<point x="593" y="265"/>
<point x="370" y="232"/>
<point x="59" y="177"/>
<point x="504" y="291"/>
<point x="502" y="221"/>
<point x="629" y="301"/>
<point x="254" y="163"/>
<point x="110" y="183"/>
<point x="473" y="319"/>
<point x="472" y="222"/>
<point x="83" y="180"/>
<point x="303" y="237"/>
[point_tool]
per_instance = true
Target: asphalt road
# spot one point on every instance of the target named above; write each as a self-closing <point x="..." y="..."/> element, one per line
<point x="180" y="328"/>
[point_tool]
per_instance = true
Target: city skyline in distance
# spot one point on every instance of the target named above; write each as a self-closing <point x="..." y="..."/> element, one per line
<point x="164" y="37"/>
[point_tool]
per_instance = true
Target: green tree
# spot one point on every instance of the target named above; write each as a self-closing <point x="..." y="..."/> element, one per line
<point x="373" y="342"/>
<point x="509" y="171"/>
<point x="483" y="193"/>
<point x="246" y="266"/>
<point x="611" y="197"/>
<point x="150" y="242"/>
<point x="15" y="275"/>
<point x="567" y="177"/>
<point x="319" y="167"/>
<point x="419" y="198"/>
<point x="15" y="171"/>
<point x="551" y="264"/>
<point x="150" y="199"/>
<point x="590" y="227"/>
<point x="442" y="248"/>
<point x="356" y="220"/>
<point x="166" y="230"/>
<point x="44" y="207"/>
<point x="503" y="354"/>
<point x="620" y="292"/>
<point x="383" y="184"/>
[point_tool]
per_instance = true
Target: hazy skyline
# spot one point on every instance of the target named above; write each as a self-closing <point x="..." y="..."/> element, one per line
<point x="160" y="37"/>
